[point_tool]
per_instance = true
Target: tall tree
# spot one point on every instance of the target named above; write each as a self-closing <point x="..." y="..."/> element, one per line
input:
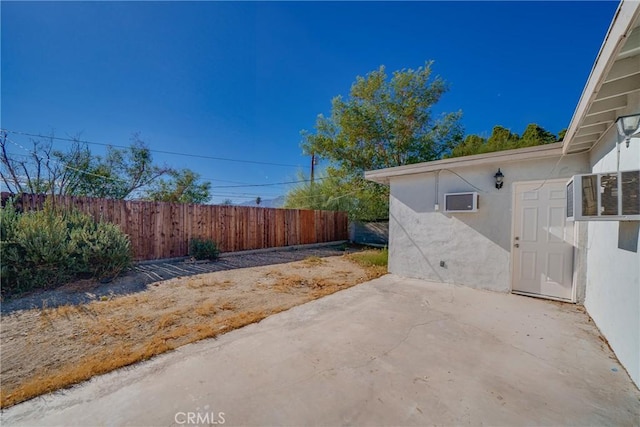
<point x="183" y="187"/>
<point x="384" y="122"/>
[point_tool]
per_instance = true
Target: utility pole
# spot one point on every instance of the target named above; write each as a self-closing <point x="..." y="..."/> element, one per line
<point x="313" y="164"/>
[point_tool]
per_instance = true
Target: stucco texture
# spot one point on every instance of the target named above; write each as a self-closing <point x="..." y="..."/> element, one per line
<point x="475" y="247"/>
<point x="613" y="261"/>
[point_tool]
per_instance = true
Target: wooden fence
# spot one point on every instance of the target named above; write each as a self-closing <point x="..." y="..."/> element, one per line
<point x="163" y="230"/>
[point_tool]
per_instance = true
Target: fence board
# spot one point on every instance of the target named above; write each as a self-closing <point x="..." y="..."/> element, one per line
<point x="162" y="230"/>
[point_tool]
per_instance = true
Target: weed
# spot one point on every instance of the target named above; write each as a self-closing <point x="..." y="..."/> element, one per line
<point x="374" y="257"/>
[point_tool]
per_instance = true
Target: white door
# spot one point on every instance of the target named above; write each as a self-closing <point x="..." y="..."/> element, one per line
<point x="542" y="250"/>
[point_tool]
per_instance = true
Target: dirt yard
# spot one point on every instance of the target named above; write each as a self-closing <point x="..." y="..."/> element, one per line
<point x="51" y="348"/>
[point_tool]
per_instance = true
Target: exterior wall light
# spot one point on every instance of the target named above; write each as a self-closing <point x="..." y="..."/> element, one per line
<point x="628" y="126"/>
<point x="499" y="179"/>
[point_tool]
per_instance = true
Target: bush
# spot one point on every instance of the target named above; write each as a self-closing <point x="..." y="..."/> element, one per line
<point x="48" y="248"/>
<point x="203" y="249"/>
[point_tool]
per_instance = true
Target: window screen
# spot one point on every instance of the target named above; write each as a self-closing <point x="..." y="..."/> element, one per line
<point x="630" y="193"/>
<point x="609" y="194"/>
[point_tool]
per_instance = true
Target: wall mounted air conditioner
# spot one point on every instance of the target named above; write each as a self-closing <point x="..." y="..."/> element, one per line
<point x="461" y="202"/>
<point x="609" y="196"/>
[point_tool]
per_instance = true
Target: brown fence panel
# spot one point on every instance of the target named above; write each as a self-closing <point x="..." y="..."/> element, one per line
<point x="163" y="230"/>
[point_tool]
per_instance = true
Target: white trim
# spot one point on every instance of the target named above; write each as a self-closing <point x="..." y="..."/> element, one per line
<point x="529" y="153"/>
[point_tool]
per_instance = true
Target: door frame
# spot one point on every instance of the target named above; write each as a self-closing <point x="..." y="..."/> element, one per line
<point x="513" y="234"/>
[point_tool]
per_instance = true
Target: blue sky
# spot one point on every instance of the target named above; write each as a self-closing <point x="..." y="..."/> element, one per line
<point x="241" y="80"/>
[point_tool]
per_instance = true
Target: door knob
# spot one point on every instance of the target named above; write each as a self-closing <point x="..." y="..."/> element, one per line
<point x="516" y="245"/>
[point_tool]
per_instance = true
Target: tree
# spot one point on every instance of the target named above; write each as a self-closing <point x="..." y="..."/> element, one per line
<point x="536" y="135"/>
<point x="503" y="139"/>
<point x="183" y="187"/>
<point x="383" y="123"/>
<point x="121" y="172"/>
<point x="227" y="202"/>
<point x="472" y="144"/>
<point x="118" y="174"/>
<point x="561" y="134"/>
<point x="42" y="169"/>
<point x="329" y="192"/>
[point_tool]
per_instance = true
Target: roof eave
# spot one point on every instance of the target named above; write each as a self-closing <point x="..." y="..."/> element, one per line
<point x="383" y="176"/>
<point x="620" y="28"/>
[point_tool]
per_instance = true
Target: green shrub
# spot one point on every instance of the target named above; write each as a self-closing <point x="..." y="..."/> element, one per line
<point x="48" y="248"/>
<point x="103" y="250"/>
<point x="203" y="249"/>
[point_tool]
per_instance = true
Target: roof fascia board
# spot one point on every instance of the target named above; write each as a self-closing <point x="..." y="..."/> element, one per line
<point x="529" y="153"/>
<point x="611" y="46"/>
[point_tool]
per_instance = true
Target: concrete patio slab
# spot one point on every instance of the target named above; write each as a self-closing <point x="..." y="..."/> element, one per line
<point x="392" y="351"/>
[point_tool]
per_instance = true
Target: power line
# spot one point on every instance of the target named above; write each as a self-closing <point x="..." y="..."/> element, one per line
<point x="32" y="154"/>
<point x="265" y="185"/>
<point x="66" y="166"/>
<point x="173" y="153"/>
<point x="237" y="184"/>
<point x="217" y="194"/>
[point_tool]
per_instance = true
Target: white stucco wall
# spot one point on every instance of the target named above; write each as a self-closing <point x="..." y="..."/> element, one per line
<point x="475" y="247"/>
<point x="613" y="262"/>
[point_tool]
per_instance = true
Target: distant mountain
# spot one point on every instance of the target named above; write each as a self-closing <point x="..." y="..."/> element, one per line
<point x="278" y="202"/>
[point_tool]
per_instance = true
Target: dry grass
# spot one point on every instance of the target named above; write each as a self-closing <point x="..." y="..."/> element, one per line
<point x="53" y="348"/>
<point x="199" y="282"/>
<point x="374" y="261"/>
<point x="228" y="306"/>
<point x="206" y="309"/>
<point x="313" y="261"/>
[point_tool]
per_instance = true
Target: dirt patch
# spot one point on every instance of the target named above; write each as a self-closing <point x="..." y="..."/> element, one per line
<point x="50" y="348"/>
<point x="141" y="275"/>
